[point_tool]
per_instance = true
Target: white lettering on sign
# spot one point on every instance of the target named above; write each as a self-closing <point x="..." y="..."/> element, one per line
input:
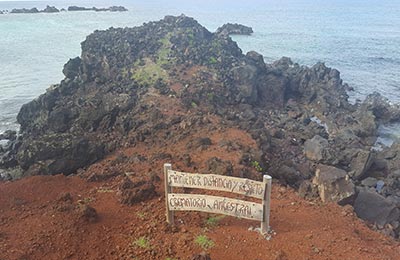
<point x="242" y="186"/>
<point x="214" y="204"/>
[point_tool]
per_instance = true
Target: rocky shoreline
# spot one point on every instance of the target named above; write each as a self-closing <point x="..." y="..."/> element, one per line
<point x="156" y="83"/>
<point x="53" y="9"/>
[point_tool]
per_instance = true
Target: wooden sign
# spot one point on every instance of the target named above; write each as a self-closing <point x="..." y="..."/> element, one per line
<point x="242" y="186"/>
<point x="214" y="204"/>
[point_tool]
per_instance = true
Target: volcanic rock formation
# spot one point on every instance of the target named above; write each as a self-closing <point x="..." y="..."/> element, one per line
<point x="157" y="83"/>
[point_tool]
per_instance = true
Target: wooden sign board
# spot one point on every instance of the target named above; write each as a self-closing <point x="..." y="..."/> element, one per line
<point x="255" y="189"/>
<point x="214" y="204"/>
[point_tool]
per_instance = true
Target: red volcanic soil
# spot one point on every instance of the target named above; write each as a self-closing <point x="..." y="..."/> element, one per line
<point x="52" y="217"/>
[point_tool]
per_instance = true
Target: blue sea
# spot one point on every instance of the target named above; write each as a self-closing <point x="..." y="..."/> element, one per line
<point x="361" y="38"/>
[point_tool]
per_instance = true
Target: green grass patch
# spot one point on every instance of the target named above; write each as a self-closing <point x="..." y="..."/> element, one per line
<point x="142" y="242"/>
<point x="193" y="104"/>
<point x="204" y="242"/>
<point x="141" y="215"/>
<point x="257" y="166"/>
<point x="164" y="58"/>
<point x="149" y="74"/>
<point x="212" y="60"/>
<point x="213" y="221"/>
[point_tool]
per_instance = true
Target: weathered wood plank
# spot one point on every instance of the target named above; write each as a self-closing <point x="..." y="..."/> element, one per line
<point x="255" y="189"/>
<point x="267" y="180"/>
<point x="168" y="189"/>
<point x="214" y="204"/>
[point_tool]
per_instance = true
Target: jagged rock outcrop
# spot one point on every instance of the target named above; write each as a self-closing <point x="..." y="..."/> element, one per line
<point x="33" y="10"/>
<point x="234" y="28"/>
<point x="8" y="135"/>
<point x="50" y="9"/>
<point x="78" y="8"/>
<point x="116" y="9"/>
<point x="111" y="9"/>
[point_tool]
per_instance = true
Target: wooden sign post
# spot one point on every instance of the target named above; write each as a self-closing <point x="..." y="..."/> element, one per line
<point x="214" y="204"/>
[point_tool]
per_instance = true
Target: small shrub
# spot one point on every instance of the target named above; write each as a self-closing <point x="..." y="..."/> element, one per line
<point x="204" y="242"/>
<point x="257" y="166"/>
<point x="194" y="105"/>
<point x="141" y="215"/>
<point x="214" y="221"/>
<point x="212" y="60"/>
<point x="210" y="96"/>
<point x="142" y="242"/>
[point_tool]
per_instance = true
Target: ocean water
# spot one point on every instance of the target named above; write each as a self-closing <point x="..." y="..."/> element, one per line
<point x="359" y="38"/>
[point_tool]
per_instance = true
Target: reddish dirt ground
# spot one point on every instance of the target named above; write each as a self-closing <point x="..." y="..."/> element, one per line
<point x="33" y="227"/>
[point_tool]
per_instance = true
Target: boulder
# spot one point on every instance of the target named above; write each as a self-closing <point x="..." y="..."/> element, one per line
<point x="308" y="190"/>
<point x="88" y="213"/>
<point x="373" y="207"/>
<point x="200" y="143"/>
<point x="271" y="90"/>
<point x="289" y="175"/>
<point x="245" y="78"/>
<point x="201" y="256"/>
<point x="365" y="124"/>
<point x="360" y="164"/>
<point x="58" y="153"/>
<point x="256" y="58"/>
<point x="8" y="135"/>
<point x="72" y="68"/>
<point x="215" y="165"/>
<point x="369" y="182"/>
<point x="136" y="190"/>
<point x="14" y="173"/>
<point x="381" y="108"/>
<point x="7" y="159"/>
<point x="334" y="185"/>
<point x="317" y="149"/>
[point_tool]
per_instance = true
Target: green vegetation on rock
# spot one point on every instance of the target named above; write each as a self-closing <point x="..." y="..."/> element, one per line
<point x="257" y="166"/>
<point x="149" y="74"/>
<point x="164" y="58"/>
<point x="212" y="60"/>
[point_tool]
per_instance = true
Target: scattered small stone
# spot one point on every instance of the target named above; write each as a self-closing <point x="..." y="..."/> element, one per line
<point x="88" y="213"/>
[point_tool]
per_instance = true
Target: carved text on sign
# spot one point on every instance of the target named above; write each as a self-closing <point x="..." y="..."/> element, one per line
<point x="214" y="204"/>
<point x="242" y="186"/>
